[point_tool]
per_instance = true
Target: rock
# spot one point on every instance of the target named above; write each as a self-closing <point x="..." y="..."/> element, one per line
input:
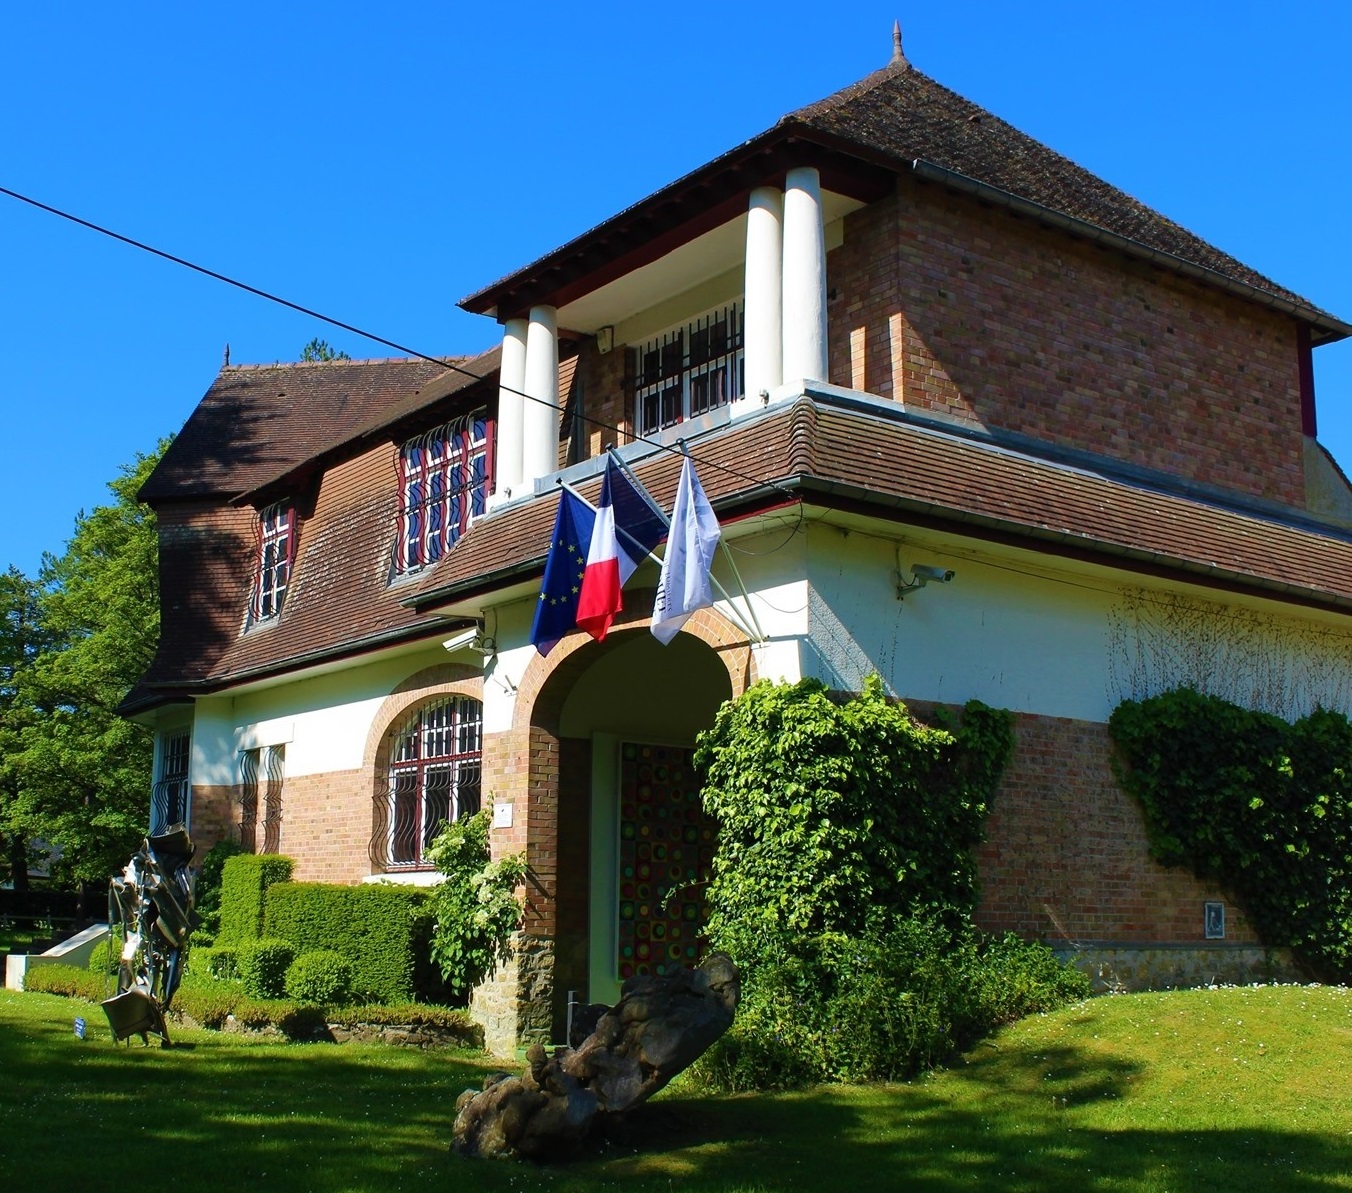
<point x="660" y="1026"/>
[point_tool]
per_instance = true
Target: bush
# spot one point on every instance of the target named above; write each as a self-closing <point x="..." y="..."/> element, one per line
<point x="382" y="929"/>
<point x="412" y="1014"/>
<point x="476" y="905"/>
<point x="105" y="956"/>
<point x="883" y="1007"/>
<point x="245" y="880"/>
<point x="207" y="888"/>
<point x="262" y="966"/>
<point x="835" y="813"/>
<point x="220" y="962"/>
<point x="207" y="1002"/>
<point x="67" y="980"/>
<point x="322" y="977"/>
<point x="1245" y="799"/>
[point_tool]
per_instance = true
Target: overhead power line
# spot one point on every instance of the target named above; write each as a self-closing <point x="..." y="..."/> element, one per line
<point x="441" y="362"/>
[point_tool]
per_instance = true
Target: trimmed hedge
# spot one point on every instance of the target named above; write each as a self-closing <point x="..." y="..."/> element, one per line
<point x="68" y="980"/>
<point x="212" y="961"/>
<point x="105" y="956"/>
<point x="263" y="964"/>
<point x="322" y="977"/>
<point x="382" y="929"/>
<point x="245" y="880"/>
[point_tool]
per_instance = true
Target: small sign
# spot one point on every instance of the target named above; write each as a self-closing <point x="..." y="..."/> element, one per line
<point x="502" y="815"/>
<point x="79" y="1029"/>
<point x="1213" y="921"/>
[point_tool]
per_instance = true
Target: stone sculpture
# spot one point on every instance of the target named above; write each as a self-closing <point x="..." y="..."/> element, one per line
<point x="620" y="1056"/>
<point x="152" y="900"/>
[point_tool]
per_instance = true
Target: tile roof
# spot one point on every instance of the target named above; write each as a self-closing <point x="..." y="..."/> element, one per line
<point x="893" y="119"/>
<point x="256" y="422"/>
<point x="898" y="468"/>
<point x="824" y="452"/>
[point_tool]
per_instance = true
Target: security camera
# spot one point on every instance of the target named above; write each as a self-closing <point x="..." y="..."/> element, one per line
<point x="926" y="572"/>
<point x="461" y="640"/>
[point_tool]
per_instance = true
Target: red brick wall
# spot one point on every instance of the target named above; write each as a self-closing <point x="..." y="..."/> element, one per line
<point x="326" y="825"/>
<point x="213" y="817"/>
<point x="972" y="312"/>
<point x="1066" y="856"/>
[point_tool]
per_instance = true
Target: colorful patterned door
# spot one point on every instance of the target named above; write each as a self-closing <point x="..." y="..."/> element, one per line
<point x="666" y="847"/>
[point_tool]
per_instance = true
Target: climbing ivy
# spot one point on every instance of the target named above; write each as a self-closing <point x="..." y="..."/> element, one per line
<point x="1257" y="804"/>
<point x="835" y="814"/>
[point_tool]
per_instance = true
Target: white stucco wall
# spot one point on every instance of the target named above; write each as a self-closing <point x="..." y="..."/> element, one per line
<point x="323" y="721"/>
<point x="1055" y="638"/>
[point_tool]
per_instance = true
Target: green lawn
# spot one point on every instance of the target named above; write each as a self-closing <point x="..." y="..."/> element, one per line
<point x="1236" y="1089"/>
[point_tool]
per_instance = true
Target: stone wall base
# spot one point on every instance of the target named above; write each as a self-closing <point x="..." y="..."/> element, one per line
<point x="1123" y="968"/>
<point x="514" y="1006"/>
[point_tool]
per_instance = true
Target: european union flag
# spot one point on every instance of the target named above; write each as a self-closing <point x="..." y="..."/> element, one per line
<point x="556" y="610"/>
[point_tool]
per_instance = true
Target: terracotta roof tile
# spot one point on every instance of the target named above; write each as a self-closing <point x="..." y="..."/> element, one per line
<point x="258" y="421"/>
<point x="904" y="114"/>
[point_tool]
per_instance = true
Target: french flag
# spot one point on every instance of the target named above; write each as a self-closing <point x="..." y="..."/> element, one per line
<point x="628" y="526"/>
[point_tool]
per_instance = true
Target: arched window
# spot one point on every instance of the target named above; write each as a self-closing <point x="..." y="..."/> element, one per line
<point x="435" y="767"/>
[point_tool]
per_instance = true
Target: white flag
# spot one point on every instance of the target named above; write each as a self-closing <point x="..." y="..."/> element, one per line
<point x="684" y="584"/>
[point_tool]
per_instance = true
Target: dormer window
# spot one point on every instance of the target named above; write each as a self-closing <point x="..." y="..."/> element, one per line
<point x="276" y="542"/>
<point x="689" y="370"/>
<point x="445" y="477"/>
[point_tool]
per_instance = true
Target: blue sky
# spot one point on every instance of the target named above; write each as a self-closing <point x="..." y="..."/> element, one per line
<point x="378" y="162"/>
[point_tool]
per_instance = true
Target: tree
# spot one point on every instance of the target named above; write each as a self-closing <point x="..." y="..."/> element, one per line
<point x="84" y="771"/>
<point x="319" y="350"/>
<point x="21" y="639"/>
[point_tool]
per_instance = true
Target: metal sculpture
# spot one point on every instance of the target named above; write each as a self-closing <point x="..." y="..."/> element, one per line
<point x="153" y="901"/>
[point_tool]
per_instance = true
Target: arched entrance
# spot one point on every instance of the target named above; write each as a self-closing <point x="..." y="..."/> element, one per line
<point x="611" y="728"/>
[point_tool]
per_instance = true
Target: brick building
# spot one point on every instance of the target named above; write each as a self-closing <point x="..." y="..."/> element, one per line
<point x="893" y="331"/>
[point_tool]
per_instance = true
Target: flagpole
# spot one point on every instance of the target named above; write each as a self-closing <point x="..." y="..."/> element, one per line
<point x="756" y="635"/>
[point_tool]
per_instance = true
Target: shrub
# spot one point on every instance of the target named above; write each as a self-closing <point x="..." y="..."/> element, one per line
<point x="220" y="962"/>
<point x="105" y="956"/>
<point x="476" y="906"/>
<point x="207" y="1002"/>
<point x="412" y="1014"/>
<point x="882" y="1007"/>
<point x="262" y="966"/>
<point x="207" y="888"/>
<point x="245" y="880"/>
<point x="381" y="929"/>
<point x="1246" y="799"/>
<point x="835" y="813"/>
<point x="322" y="977"/>
<point x="68" y="980"/>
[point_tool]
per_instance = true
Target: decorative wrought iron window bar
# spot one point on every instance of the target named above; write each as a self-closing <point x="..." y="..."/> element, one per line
<point x="276" y="541"/>
<point x="435" y="776"/>
<point x="262" y="772"/>
<point x="445" y="477"/>
<point x="169" y="795"/>
<point x="689" y="370"/>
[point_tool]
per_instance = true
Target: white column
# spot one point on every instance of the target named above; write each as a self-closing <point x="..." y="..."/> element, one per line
<point x="511" y="409"/>
<point x="764" y="345"/>
<point x="804" y="277"/>
<point x="540" y="420"/>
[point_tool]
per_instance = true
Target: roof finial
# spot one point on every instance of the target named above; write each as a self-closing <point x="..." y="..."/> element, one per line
<point x="898" y="58"/>
<point x="225" y="363"/>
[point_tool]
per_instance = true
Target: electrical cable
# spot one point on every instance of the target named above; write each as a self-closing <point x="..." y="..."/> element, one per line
<point x="407" y="351"/>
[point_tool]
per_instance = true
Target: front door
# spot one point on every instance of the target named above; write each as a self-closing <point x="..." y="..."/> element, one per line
<point x="652" y="849"/>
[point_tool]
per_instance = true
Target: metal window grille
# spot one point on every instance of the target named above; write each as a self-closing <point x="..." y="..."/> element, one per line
<point x="262" y="772"/>
<point x="445" y="477"/>
<point x="434" y="777"/>
<point x="689" y="370"/>
<point x="169" y="795"/>
<point x="276" y="537"/>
